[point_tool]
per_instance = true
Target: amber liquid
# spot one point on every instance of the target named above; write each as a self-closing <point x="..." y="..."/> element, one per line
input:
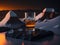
<point x="30" y="23"/>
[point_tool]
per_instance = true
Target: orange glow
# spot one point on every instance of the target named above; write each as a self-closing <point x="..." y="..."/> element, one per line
<point x="30" y="25"/>
<point x="14" y="7"/>
<point x="6" y="7"/>
<point x="2" y="39"/>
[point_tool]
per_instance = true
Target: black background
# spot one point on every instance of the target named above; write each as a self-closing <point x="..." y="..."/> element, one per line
<point x="28" y="4"/>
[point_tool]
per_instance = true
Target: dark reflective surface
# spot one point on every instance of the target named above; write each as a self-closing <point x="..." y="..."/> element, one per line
<point x="55" y="40"/>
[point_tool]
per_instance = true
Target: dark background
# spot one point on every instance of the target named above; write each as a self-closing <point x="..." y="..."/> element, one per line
<point x="35" y="5"/>
<point x="28" y="4"/>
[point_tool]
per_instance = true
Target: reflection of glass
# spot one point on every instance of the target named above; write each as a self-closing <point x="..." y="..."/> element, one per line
<point x="30" y="19"/>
